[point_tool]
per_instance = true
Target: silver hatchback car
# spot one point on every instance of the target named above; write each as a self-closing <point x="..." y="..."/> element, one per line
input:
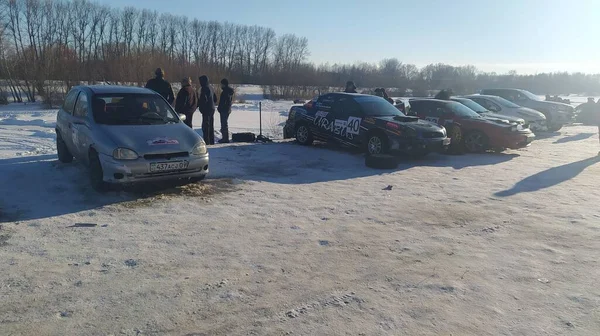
<point x="127" y="135"/>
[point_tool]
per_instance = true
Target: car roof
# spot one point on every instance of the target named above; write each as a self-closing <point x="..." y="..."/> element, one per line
<point x="115" y="89"/>
<point x="481" y="96"/>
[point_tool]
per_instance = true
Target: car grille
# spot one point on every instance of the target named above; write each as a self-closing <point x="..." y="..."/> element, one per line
<point x="166" y="156"/>
<point x="432" y="135"/>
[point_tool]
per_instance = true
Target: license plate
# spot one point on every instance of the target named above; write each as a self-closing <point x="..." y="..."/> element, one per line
<point x="446" y="141"/>
<point x="160" y="167"/>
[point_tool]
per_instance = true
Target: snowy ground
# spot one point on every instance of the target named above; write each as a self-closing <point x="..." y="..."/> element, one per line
<point x="284" y="239"/>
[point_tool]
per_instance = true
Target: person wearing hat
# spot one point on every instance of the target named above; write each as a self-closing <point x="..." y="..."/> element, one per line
<point x="224" y="108"/>
<point x="350" y="87"/>
<point x="159" y="85"/>
<point x="187" y="100"/>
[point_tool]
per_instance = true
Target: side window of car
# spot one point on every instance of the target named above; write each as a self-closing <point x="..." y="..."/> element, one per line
<point x="70" y="101"/>
<point x="346" y="107"/>
<point x="81" y="108"/>
<point x="325" y="103"/>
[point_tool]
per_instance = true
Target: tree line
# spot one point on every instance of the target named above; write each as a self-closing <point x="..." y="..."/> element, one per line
<point x="47" y="46"/>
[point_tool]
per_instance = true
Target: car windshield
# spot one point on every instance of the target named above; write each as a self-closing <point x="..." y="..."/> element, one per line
<point x="132" y="109"/>
<point x="377" y="106"/>
<point x="472" y="105"/>
<point x="530" y="95"/>
<point x="505" y="103"/>
<point x="462" y="111"/>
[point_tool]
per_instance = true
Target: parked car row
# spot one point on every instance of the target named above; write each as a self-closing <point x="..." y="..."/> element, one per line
<point x="476" y="123"/>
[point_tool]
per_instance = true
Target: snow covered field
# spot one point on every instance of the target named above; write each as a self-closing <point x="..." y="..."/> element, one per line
<point x="290" y="240"/>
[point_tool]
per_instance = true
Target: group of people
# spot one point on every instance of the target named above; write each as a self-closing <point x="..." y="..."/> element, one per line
<point x="188" y="101"/>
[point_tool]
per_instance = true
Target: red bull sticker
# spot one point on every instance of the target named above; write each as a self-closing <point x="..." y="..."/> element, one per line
<point x="162" y="141"/>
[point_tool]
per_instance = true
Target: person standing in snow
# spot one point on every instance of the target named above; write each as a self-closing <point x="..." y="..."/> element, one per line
<point x="187" y="101"/>
<point x="159" y="85"/>
<point x="350" y="87"/>
<point x="224" y="108"/>
<point x="207" y="100"/>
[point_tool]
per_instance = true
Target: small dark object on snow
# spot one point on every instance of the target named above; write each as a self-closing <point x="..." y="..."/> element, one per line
<point x="83" y="225"/>
<point x="243" y="137"/>
<point x="78" y="283"/>
<point x="323" y="242"/>
<point x="66" y="314"/>
<point x="262" y="138"/>
<point x="381" y="161"/>
<point x="104" y="225"/>
<point x="299" y="101"/>
<point x="130" y="263"/>
<point x="388" y="188"/>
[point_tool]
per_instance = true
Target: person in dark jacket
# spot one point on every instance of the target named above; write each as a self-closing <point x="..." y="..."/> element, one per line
<point x="187" y="101"/>
<point x="350" y="87"/>
<point x="224" y="108"/>
<point x="159" y="85"/>
<point x="207" y="100"/>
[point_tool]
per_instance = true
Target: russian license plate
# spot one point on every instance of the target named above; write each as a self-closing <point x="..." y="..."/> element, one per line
<point x="446" y="141"/>
<point x="161" y="167"/>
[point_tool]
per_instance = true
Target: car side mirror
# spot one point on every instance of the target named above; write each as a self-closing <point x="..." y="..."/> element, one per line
<point x="182" y="117"/>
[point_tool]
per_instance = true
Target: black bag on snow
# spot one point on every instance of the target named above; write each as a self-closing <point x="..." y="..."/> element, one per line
<point x="243" y="137"/>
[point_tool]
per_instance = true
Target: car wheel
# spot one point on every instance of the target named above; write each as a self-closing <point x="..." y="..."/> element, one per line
<point x="381" y="161"/>
<point x="377" y="144"/>
<point x="64" y="155"/>
<point x="96" y="173"/>
<point x="476" y="142"/>
<point x="304" y="135"/>
<point x="456" y="136"/>
<point x="554" y="128"/>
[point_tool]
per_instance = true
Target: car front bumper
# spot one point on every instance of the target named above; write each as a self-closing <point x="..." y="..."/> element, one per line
<point x="538" y="126"/>
<point x="137" y="171"/>
<point x="515" y="141"/>
<point x="418" y="145"/>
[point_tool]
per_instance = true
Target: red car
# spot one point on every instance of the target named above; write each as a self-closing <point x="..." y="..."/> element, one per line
<point x="468" y="130"/>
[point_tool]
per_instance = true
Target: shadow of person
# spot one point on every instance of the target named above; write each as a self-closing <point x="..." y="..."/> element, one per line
<point x="577" y="137"/>
<point x="549" y="177"/>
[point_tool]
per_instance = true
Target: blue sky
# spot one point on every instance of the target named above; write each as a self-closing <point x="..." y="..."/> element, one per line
<point x="525" y="35"/>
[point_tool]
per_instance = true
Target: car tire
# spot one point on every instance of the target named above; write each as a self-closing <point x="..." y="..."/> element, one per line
<point x="554" y="128"/>
<point x="457" y="140"/>
<point x="476" y="142"/>
<point x="381" y="161"/>
<point x="96" y="173"/>
<point x="64" y="155"/>
<point x="377" y="144"/>
<point x="304" y="135"/>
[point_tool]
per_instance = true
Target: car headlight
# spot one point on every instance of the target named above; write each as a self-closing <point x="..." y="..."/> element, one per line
<point x="125" y="154"/>
<point x="516" y="128"/>
<point x="199" y="149"/>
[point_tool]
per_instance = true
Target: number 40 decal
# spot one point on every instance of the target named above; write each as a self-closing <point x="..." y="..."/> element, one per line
<point x="353" y="125"/>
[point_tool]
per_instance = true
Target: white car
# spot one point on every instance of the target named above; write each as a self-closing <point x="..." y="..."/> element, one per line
<point x="499" y="105"/>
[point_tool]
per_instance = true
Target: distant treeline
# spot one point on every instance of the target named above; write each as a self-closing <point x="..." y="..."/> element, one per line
<point x="68" y="42"/>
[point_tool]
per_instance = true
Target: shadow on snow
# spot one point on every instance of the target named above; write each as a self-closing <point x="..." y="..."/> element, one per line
<point x="577" y="137"/>
<point x="550" y="177"/>
<point x="36" y="187"/>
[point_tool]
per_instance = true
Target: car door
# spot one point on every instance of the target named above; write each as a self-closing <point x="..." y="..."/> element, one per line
<point x="81" y="127"/>
<point x="63" y="118"/>
<point x="347" y="119"/>
<point x="322" y="126"/>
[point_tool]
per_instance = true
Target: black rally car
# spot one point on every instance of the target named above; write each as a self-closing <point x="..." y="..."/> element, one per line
<point x="363" y="121"/>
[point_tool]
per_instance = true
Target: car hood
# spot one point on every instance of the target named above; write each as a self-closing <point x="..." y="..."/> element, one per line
<point x="499" y="118"/>
<point x="153" y="139"/>
<point x="554" y="105"/>
<point x="530" y="114"/>
<point x="412" y="122"/>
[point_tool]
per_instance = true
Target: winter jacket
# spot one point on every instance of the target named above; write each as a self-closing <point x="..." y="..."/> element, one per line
<point x="187" y="100"/>
<point x="207" y="99"/>
<point x="162" y="87"/>
<point x="226" y="100"/>
<point x="348" y="90"/>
